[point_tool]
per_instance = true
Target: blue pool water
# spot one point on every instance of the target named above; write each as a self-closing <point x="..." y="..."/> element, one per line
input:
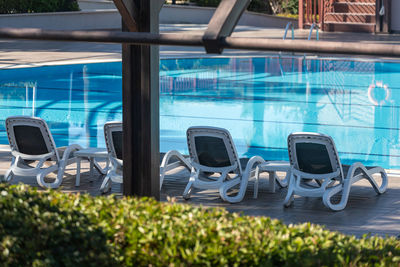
<point x="259" y="100"/>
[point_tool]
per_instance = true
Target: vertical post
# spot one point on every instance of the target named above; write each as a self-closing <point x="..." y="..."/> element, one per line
<point x="386" y="20"/>
<point x="378" y="27"/>
<point x="140" y="89"/>
<point x="301" y="14"/>
<point x="315" y="12"/>
<point x="383" y="21"/>
<point x="321" y="11"/>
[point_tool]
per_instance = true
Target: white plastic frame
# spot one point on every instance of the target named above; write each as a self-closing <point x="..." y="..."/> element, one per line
<point x="115" y="173"/>
<point x="18" y="164"/>
<point x="330" y="183"/>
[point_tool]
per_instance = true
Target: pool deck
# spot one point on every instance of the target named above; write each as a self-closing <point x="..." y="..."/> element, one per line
<point x="365" y="213"/>
<point x="21" y="53"/>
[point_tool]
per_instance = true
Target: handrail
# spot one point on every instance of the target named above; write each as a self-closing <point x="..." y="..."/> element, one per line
<point x="280" y="64"/>
<point x="284" y="38"/>
<point x="314" y="25"/>
<point x="287" y="28"/>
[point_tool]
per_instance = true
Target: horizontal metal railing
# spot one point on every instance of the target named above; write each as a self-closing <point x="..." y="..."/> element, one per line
<point x="260" y="44"/>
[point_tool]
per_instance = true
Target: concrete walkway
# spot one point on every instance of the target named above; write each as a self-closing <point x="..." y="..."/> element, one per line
<point x="21" y="53"/>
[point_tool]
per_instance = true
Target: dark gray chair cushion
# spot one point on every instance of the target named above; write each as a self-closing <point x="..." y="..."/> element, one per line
<point x="211" y="151"/>
<point x="117" y="141"/>
<point x="30" y="140"/>
<point x="313" y="158"/>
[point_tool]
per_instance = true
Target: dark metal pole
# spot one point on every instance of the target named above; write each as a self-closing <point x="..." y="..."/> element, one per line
<point x="258" y="44"/>
<point x="222" y="23"/>
<point x="139" y="38"/>
<point x="140" y="75"/>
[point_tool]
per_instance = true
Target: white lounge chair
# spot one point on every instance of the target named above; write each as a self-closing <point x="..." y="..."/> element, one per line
<point x="212" y="151"/>
<point x="314" y="156"/>
<point x="31" y="140"/>
<point x="113" y="136"/>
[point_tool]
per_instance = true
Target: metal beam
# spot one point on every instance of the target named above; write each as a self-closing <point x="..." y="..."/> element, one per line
<point x="139" y="38"/>
<point x="129" y="13"/>
<point x="257" y="44"/>
<point x="140" y="101"/>
<point x="222" y="23"/>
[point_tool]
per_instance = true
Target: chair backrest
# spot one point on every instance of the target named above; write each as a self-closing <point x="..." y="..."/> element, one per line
<point x="113" y="136"/>
<point x="314" y="154"/>
<point x="30" y="135"/>
<point x="212" y="147"/>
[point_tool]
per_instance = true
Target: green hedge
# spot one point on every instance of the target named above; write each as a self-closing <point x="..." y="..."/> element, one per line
<point x="53" y="228"/>
<point x="33" y="6"/>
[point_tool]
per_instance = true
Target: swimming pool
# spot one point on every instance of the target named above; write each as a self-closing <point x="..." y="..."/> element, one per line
<point x="259" y="100"/>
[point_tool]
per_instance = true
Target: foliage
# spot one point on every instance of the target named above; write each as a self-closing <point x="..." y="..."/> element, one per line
<point x="262" y="6"/>
<point x="38" y="230"/>
<point x="209" y="3"/>
<point x="290" y="6"/>
<point x="33" y="6"/>
<point x="53" y="228"/>
<point x="288" y="16"/>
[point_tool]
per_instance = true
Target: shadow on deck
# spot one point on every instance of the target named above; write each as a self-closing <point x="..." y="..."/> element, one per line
<point x="365" y="213"/>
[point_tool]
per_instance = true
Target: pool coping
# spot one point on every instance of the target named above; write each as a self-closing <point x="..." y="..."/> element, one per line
<point x="207" y="56"/>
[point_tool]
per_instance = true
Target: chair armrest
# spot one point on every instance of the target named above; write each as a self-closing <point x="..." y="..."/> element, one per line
<point x="32" y="157"/>
<point x="70" y="149"/>
<point x="116" y="162"/>
<point x="215" y="169"/>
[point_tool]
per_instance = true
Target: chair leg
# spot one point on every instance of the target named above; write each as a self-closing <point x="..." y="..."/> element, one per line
<point x="99" y="168"/>
<point x="40" y="177"/>
<point x="105" y="185"/>
<point x="272" y="178"/>
<point x="188" y="191"/>
<point x="243" y="181"/>
<point x="350" y="179"/>
<point x="283" y="183"/>
<point x="290" y="194"/>
<point x="189" y="187"/>
<point x="78" y="172"/>
<point x="164" y="167"/>
<point x="257" y="176"/>
<point x="378" y="189"/>
<point x="330" y="192"/>
<point x="8" y="176"/>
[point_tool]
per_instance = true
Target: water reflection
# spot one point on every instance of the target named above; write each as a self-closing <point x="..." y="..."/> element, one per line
<point x="262" y="100"/>
<point x="75" y="100"/>
<point x="259" y="100"/>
